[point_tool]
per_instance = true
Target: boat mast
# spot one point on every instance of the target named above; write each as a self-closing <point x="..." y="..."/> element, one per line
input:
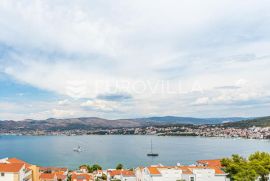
<point x="151" y="147"/>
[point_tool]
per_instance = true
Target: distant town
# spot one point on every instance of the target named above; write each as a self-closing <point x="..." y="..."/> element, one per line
<point x="258" y="128"/>
<point x="173" y="130"/>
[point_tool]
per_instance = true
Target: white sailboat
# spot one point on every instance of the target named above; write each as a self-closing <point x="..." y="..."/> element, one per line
<point x="151" y="153"/>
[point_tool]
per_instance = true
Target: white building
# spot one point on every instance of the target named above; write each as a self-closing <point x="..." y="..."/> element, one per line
<point x="158" y="173"/>
<point x="81" y="177"/>
<point x="123" y="175"/>
<point x="127" y="175"/>
<point x="99" y="173"/>
<point x="197" y="173"/>
<point x="187" y="173"/>
<point x="14" y="171"/>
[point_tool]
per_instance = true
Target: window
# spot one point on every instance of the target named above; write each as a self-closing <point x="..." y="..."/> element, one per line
<point x="192" y="179"/>
<point x="2" y="174"/>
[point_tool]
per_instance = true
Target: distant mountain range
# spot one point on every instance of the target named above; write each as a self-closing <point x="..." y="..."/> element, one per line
<point x="95" y="122"/>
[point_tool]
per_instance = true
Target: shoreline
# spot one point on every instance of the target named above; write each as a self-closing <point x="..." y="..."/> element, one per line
<point x="60" y="135"/>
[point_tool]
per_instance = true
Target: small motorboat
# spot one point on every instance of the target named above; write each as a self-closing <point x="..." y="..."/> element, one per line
<point x="78" y="149"/>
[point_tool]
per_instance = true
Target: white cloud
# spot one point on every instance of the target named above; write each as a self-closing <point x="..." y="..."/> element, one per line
<point x="62" y="113"/>
<point x="85" y="49"/>
<point x="63" y="102"/>
<point x="6" y="106"/>
<point x="100" y="105"/>
<point x="201" y="101"/>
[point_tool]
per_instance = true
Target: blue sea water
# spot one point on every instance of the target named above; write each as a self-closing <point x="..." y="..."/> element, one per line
<point x="131" y="151"/>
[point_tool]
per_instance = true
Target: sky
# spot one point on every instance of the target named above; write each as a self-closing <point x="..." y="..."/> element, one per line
<point x="126" y="59"/>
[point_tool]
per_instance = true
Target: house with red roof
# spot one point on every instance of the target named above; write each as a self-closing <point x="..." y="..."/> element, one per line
<point x="53" y="169"/>
<point x="123" y="175"/>
<point x="56" y="176"/>
<point x="33" y="168"/>
<point x="84" y="169"/>
<point x="187" y="173"/>
<point x="158" y="173"/>
<point x="48" y="177"/>
<point x="10" y="171"/>
<point x="81" y="177"/>
<point x="53" y="174"/>
<point x="212" y="163"/>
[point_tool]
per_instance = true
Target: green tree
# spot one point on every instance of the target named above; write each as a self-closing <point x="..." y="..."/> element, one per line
<point x="241" y="169"/>
<point x="104" y="177"/>
<point x="236" y="167"/>
<point x="260" y="162"/>
<point x="69" y="178"/>
<point x="96" y="167"/>
<point x="119" y="166"/>
<point x="245" y="175"/>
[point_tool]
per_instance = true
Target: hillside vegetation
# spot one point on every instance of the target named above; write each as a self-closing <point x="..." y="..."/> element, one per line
<point x="86" y="123"/>
<point x="258" y="122"/>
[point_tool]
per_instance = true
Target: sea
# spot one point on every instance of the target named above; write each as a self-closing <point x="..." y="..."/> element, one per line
<point x="131" y="151"/>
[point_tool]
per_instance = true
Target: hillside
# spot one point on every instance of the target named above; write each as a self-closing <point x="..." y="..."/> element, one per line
<point x="189" y="120"/>
<point x="67" y="124"/>
<point x="259" y="122"/>
<point x="86" y="123"/>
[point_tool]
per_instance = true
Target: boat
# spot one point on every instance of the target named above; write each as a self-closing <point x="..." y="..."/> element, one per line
<point x="151" y="153"/>
<point x="78" y="149"/>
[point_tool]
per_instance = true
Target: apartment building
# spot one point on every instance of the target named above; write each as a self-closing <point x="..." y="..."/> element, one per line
<point x="186" y="173"/>
<point x="158" y="173"/>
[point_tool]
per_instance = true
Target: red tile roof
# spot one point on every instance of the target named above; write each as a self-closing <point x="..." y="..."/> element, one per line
<point x="11" y="167"/>
<point x="214" y="164"/>
<point x="60" y="175"/>
<point x="128" y="173"/>
<point x="52" y="169"/>
<point x="44" y="176"/>
<point x="211" y="163"/>
<point x="153" y="170"/>
<point x="189" y="169"/>
<point x="81" y="177"/>
<point x="114" y="172"/>
<point x="218" y="170"/>
<point x="186" y="170"/>
<point x="16" y="160"/>
<point x="83" y="167"/>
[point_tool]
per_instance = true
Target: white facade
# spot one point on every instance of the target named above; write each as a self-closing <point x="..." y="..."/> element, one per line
<point x="207" y="175"/>
<point x="188" y="177"/>
<point x="7" y="176"/>
<point x="138" y="173"/>
<point x="116" y="177"/>
<point x="127" y="178"/>
<point x="22" y="175"/>
<point x="258" y="179"/>
<point x="165" y="174"/>
<point x="123" y="175"/>
<point x="174" y="174"/>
